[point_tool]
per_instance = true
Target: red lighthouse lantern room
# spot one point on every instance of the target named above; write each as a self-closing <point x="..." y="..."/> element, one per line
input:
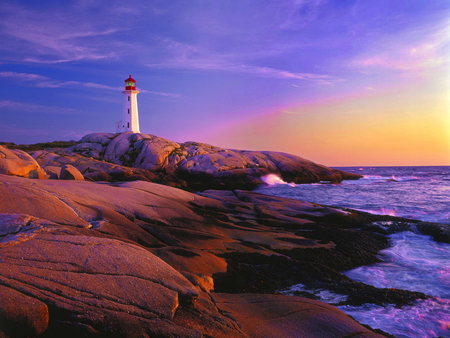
<point x="130" y="84"/>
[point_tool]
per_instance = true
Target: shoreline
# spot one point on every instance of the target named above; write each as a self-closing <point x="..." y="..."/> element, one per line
<point x="218" y="251"/>
<point x="232" y="242"/>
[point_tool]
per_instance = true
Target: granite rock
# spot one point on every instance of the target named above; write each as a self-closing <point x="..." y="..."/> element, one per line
<point x="19" y="163"/>
<point x="195" y="165"/>
<point x="274" y="316"/>
<point x="69" y="172"/>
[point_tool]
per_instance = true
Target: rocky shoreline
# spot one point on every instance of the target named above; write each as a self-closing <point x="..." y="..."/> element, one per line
<point x="131" y="258"/>
<point x="191" y="165"/>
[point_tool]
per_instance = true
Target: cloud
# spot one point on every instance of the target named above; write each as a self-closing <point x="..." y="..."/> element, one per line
<point x="427" y="50"/>
<point x="57" y="33"/>
<point x="24" y="76"/>
<point x="8" y="130"/>
<point x="27" y="107"/>
<point x="46" y="82"/>
<point x="219" y="65"/>
<point x="159" y="93"/>
<point x="12" y="129"/>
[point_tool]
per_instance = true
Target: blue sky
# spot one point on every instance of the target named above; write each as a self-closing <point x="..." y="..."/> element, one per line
<point x="339" y="82"/>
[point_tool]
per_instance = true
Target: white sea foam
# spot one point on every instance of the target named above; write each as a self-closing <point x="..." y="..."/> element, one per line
<point x="273" y="179"/>
<point x="416" y="263"/>
<point x="429" y="318"/>
<point x="323" y="295"/>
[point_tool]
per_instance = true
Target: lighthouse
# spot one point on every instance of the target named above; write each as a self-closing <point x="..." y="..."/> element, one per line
<point x="130" y="117"/>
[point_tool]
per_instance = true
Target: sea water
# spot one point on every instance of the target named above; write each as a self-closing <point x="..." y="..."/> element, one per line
<point x="414" y="262"/>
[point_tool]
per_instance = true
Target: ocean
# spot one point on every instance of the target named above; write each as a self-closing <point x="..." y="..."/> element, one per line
<point x="414" y="262"/>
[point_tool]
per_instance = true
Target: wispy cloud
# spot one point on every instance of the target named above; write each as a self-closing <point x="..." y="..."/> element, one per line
<point x="220" y="63"/>
<point x="33" y="108"/>
<point x="46" y="82"/>
<point x="7" y="130"/>
<point x="159" y="93"/>
<point x="24" y="76"/>
<point x="426" y="51"/>
<point x="56" y="34"/>
<point x="13" y="129"/>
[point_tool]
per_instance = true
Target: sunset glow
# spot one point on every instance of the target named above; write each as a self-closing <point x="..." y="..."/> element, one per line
<point x="340" y="83"/>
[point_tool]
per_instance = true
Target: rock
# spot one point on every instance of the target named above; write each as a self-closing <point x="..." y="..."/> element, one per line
<point x="69" y="172"/>
<point x="118" y="147"/>
<point x="53" y="172"/>
<point x="19" y="163"/>
<point x="17" y="228"/>
<point x="98" y="176"/>
<point x="154" y="153"/>
<point x="97" y="281"/>
<point x="27" y="199"/>
<point x="196" y="265"/>
<point x="88" y="149"/>
<point x="274" y="316"/>
<point x="201" y="165"/>
<point x="102" y="138"/>
<point x="20" y="315"/>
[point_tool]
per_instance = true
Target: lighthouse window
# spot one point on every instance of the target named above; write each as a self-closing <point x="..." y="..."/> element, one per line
<point x="128" y="98"/>
<point x="128" y="124"/>
<point x="128" y="110"/>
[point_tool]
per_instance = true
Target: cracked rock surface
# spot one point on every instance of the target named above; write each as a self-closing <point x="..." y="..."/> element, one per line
<point x="138" y="259"/>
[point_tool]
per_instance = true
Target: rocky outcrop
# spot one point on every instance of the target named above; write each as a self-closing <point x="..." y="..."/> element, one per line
<point x="197" y="165"/>
<point x="138" y="259"/>
<point x="19" y="163"/>
<point x="69" y="172"/>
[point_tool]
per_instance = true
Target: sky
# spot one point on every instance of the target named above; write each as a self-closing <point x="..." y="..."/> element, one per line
<point x="339" y="82"/>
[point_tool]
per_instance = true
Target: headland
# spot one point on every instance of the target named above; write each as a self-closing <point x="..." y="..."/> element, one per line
<point x="138" y="236"/>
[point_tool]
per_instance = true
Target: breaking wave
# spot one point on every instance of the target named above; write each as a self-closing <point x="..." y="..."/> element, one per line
<point x="273" y="180"/>
<point x="415" y="263"/>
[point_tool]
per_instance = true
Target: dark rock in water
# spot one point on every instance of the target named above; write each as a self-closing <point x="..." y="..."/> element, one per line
<point x="439" y="232"/>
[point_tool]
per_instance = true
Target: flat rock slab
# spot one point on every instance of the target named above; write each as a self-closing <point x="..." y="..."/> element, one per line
<point x="275" y="316"/>
<point x="97" y="280"/>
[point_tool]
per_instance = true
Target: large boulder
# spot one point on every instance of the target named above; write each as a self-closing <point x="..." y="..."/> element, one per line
<point x="19" y="163"/>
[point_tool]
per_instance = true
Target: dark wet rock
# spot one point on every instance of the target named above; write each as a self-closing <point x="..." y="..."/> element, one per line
<point x="439" y="232"/>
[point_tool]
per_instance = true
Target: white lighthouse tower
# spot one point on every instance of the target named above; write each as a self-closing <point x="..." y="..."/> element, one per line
<point x="130" y="117"/>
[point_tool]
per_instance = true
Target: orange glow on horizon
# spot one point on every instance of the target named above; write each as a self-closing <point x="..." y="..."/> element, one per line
<point x="376" y="130"/>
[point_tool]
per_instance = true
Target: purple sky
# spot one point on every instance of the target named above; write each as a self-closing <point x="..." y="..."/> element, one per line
<point x="340" y="82"/>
